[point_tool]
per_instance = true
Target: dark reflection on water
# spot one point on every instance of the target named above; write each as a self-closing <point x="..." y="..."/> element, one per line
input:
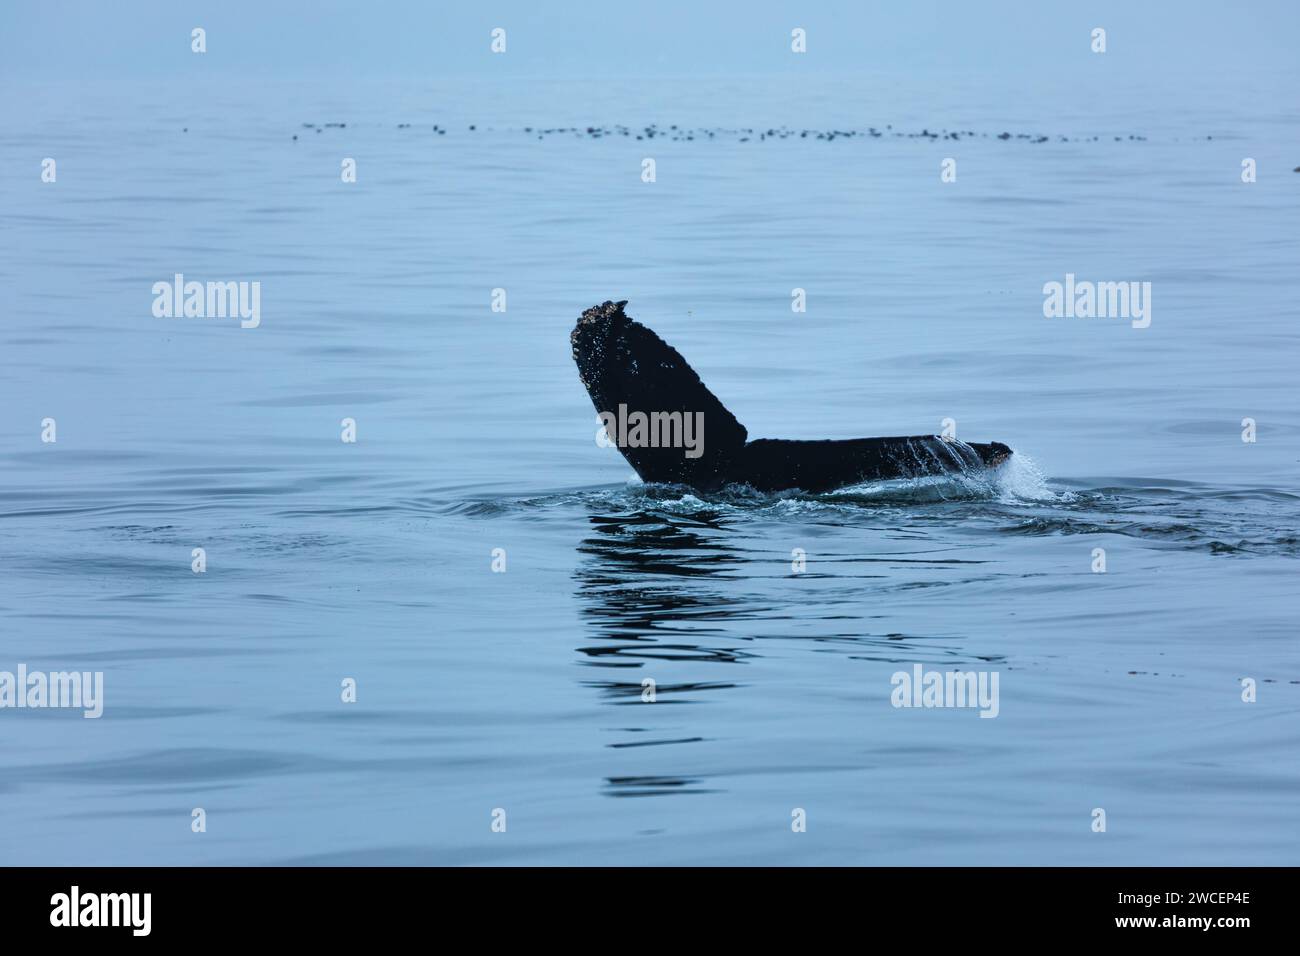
<point x="649" y="579"/>
<point x="653" y="786"/>
<point x="655" y="588"/>
<point x="650" y="543"/>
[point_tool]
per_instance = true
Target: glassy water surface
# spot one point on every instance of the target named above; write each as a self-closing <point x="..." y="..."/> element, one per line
<point x="522" y="690"/>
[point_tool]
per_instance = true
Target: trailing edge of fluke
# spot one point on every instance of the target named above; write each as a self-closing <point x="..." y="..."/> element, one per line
<point x="686" y="436"/>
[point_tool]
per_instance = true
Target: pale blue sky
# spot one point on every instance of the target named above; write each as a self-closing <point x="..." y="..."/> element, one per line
<point x="92" y="39"/>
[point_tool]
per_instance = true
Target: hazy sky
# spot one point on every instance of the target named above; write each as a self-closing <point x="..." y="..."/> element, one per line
<point x="89" y="39"/>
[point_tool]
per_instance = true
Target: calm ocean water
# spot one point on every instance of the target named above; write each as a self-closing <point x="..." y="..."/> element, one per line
<point x="522" y="690"/>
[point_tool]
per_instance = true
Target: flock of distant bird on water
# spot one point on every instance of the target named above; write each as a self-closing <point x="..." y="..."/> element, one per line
<point x="681" y="134"/>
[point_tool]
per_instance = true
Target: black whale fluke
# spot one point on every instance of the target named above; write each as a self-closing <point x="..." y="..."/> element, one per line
<point x="627" y="369"/>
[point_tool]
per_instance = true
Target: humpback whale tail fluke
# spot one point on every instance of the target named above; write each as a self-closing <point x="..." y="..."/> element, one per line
<point x="672" y="429"/>
<point x="625" y="366"/>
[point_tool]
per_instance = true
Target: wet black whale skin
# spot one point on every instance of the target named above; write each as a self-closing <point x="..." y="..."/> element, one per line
<point x="622" y="362"/>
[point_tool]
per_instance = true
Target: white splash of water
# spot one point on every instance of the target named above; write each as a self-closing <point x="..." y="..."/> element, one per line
<point x="1020" y="479"/>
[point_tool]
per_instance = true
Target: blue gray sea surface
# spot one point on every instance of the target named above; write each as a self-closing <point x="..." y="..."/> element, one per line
<point x="522" y="690"/>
